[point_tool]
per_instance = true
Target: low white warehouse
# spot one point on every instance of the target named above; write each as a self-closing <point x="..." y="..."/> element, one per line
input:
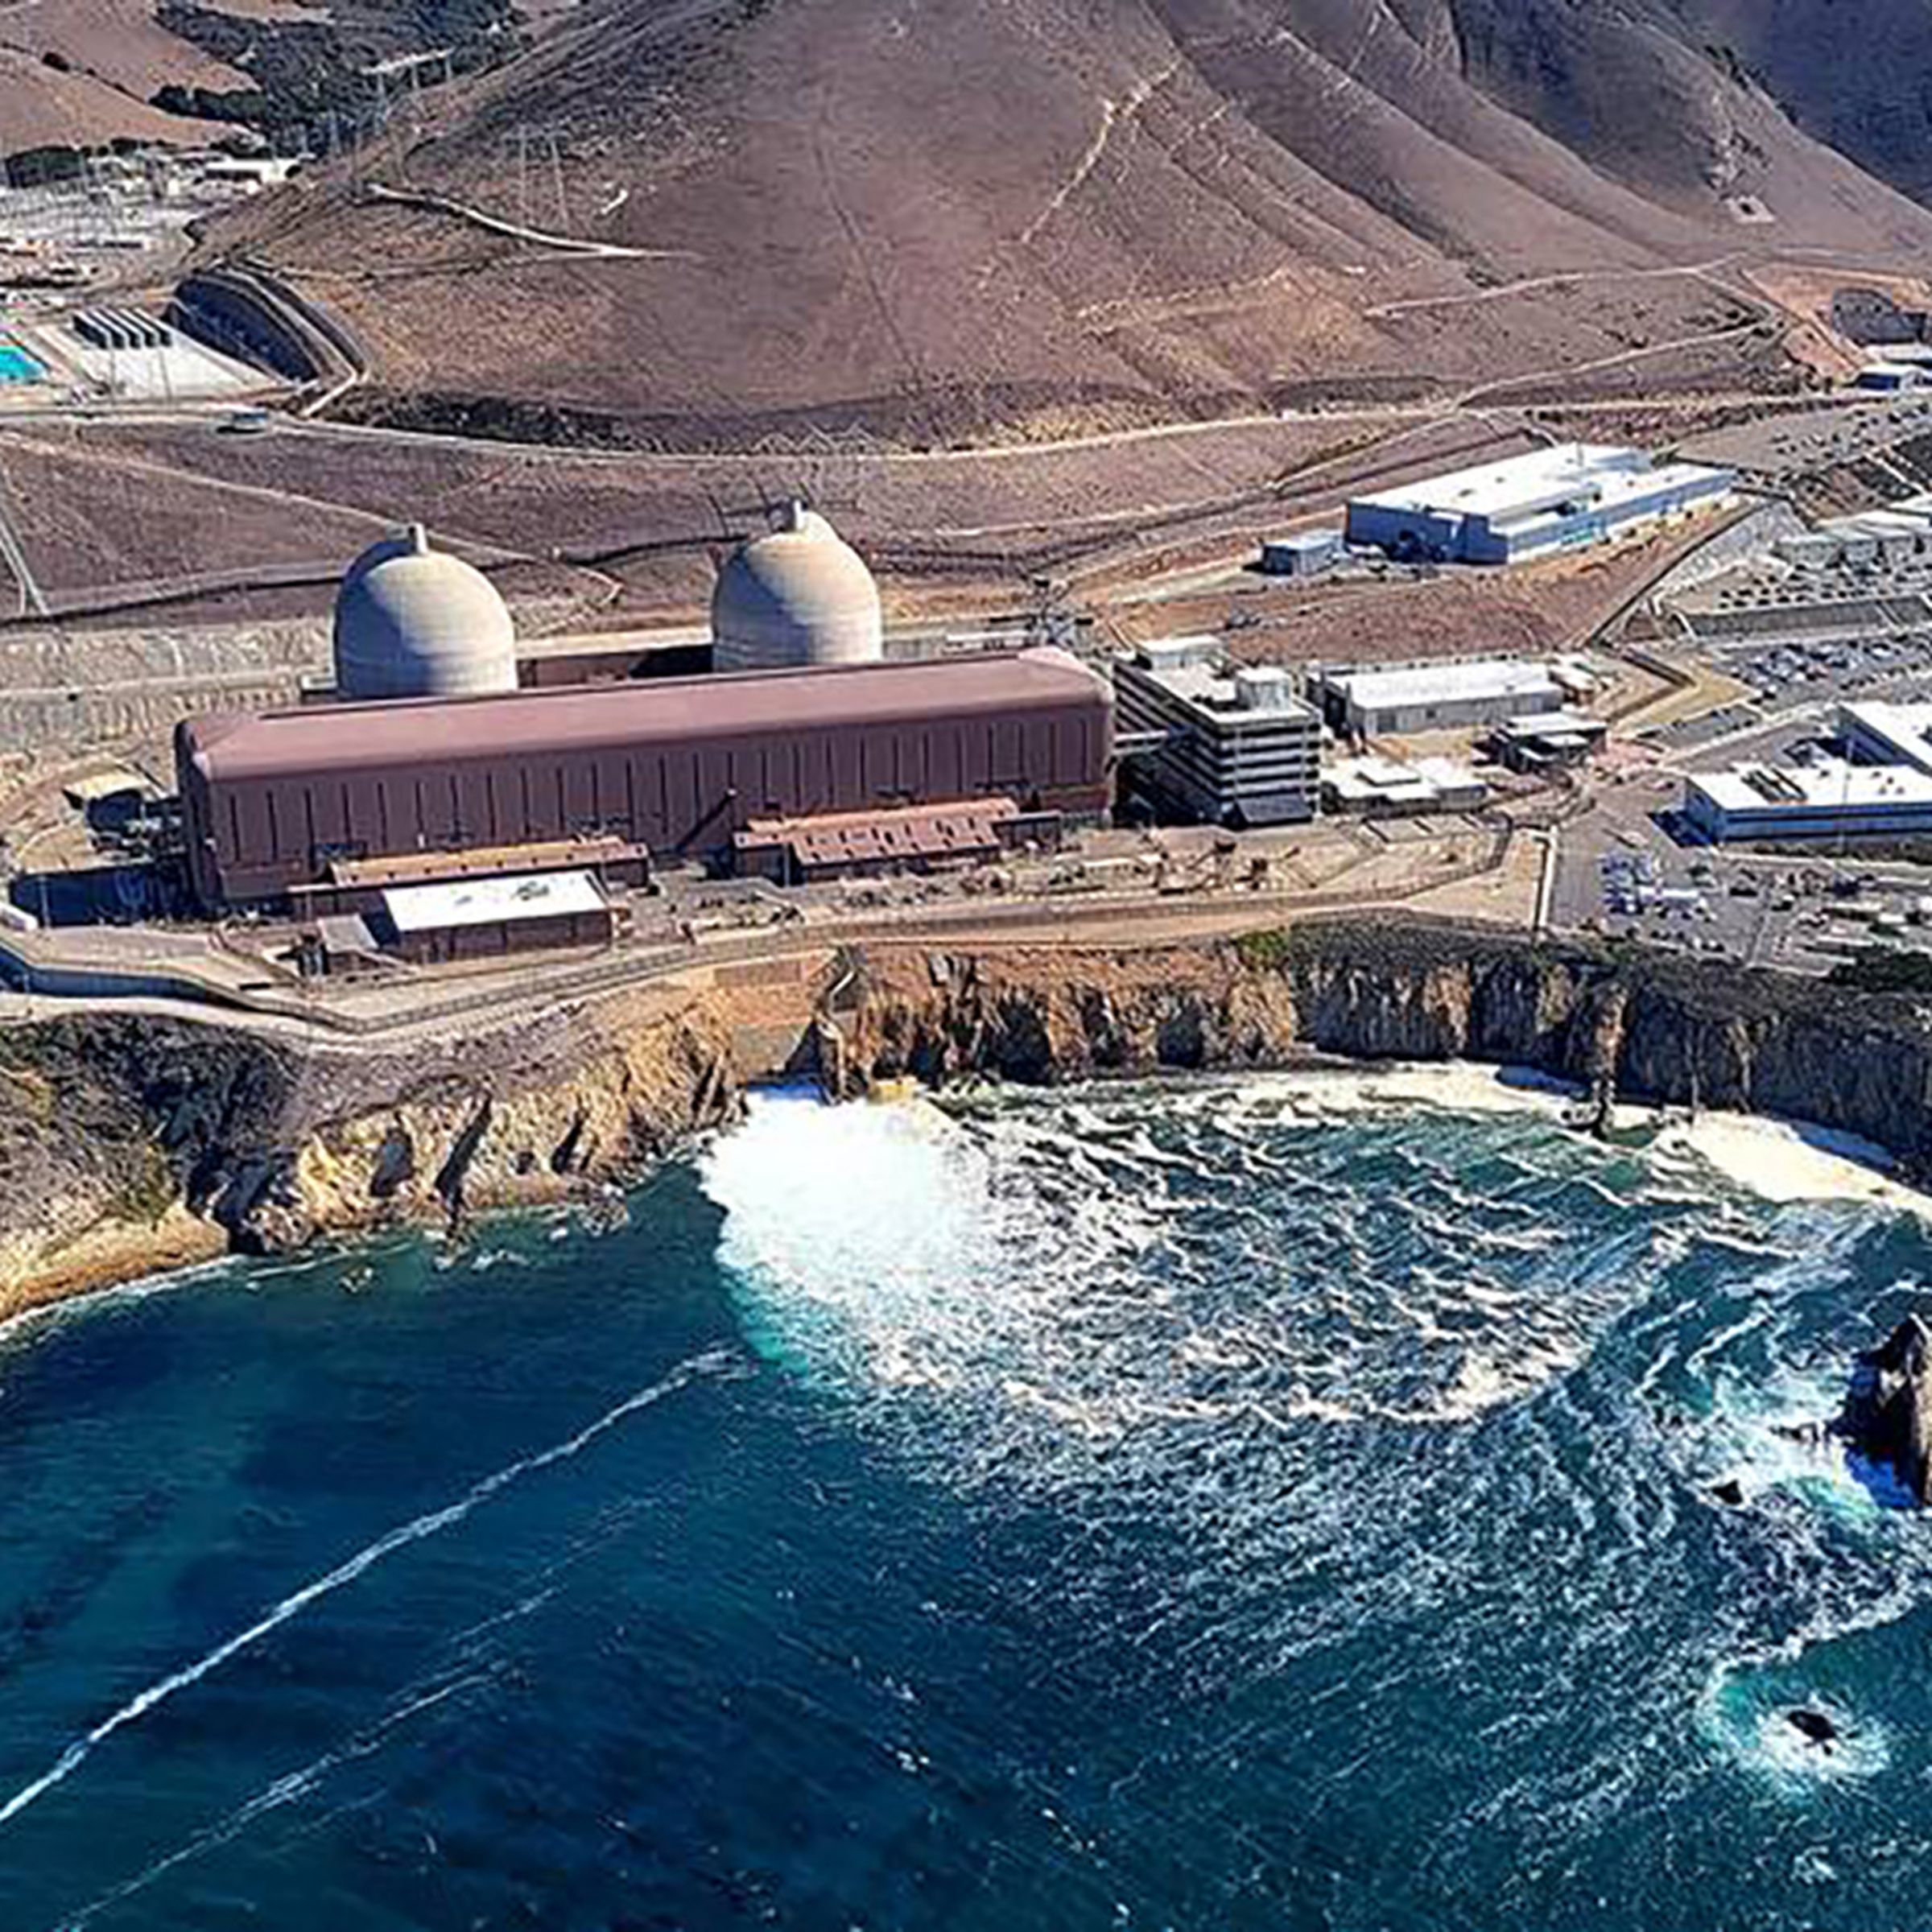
<point x="1445" y="696"/>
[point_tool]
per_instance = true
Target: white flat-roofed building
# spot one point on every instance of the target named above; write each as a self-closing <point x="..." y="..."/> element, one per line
<point x="465" y="918"/>
<point x="1552" y="738"/>
<point x="1887" y="734"/>
<point x="1231" y="745"/>
<point x="1306" y="554"/>
<point x="1375" y="787"/>
<point x="1576" y="494"/>
<point x="1829" y="799"/>
<point x="1448" y="697"/>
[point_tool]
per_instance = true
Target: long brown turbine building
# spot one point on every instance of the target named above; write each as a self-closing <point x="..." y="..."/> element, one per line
<point x="271" y="800"/>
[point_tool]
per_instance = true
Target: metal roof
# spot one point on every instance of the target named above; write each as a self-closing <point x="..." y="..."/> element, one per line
<point x="1522" y="488"/>
<point x="612" y="717"/>
<point x="1490" y="678"/>
<point x="1830" y="785"/>
<point x="550" y="895"/>
<point x="916" y="831"/>
<point x="1905" y="730"/>
<point x="1517" y="484"/>
<point x="1554" y="724"/>
<point x="439" y="868"/>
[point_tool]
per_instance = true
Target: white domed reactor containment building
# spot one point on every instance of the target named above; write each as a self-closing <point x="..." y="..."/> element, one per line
<point x="799" y="595"/>
<point x="413" y="622"/>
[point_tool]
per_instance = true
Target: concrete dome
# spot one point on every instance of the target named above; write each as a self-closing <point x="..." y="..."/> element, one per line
<point x="412" y="622"/>
<point x="800" y="594"/>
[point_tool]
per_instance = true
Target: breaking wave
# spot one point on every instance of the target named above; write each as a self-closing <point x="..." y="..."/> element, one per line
<point x="1460" y="1378"/>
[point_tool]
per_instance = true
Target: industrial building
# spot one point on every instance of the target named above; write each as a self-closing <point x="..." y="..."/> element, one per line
<point x="1306" y="554"/>
<point x="1448" y="695"/>
<point x="1896" y="533"/>
<point x="1554" y="740"/>
<point x="413" y="621"/>
<point x="797" y="594"/>
<point x="121" y="329"/>
<point x="1829" y="799"/>
<point x="1892" y="377"/>
<point x="913" y="838"/>
<point x="1874" y="734"/>
<point x="465" y="919"/>
<point x="273" y="802"/>
<point x="1375" y="787"/>
<point x="1881" y="785"/>
<point x="1528" y="506"/>
<point x="477" y="918"/>
<point x="1231" y="746"/>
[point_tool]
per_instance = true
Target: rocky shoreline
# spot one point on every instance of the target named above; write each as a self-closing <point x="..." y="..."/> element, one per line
<point x="131" y="1144"/>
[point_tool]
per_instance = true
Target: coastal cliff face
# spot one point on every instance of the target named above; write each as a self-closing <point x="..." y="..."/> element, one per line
<point x="1655" y="1028"/>
<point x="129" y="1143"/>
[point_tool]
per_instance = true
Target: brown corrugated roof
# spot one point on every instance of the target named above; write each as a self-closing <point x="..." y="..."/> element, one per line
<point x="609" y="716"/>
<point x="419" y="867"/>
<point x="898" y="832"/>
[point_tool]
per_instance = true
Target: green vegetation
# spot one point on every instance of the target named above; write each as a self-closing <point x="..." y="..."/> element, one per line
<point x="147" y="1191"/>
<point x="1263" y="952"/>
<point x="1884" y="969"/>
<point x="305" y="70"/>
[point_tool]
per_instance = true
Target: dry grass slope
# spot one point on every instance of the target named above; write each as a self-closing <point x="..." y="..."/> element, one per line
<point x="939" y="219"/>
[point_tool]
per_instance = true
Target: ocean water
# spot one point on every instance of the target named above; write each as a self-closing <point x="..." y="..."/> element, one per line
<point x="1208" y="1506"/>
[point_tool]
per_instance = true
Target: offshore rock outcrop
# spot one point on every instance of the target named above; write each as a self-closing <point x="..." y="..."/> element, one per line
<point x="1888" y="1413"/>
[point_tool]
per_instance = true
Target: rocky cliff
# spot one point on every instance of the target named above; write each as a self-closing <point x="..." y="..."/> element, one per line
<point x="1653" y="1027"/>
<point x="128" y="1143"/>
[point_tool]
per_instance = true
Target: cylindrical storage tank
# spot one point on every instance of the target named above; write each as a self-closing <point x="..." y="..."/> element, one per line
<point x="799" y="595"/>
<point x="413" y="622"/>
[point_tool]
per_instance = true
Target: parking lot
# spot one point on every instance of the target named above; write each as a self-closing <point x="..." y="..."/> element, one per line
<point x="1840" y="432"/>
<point x="1805" y="672"/>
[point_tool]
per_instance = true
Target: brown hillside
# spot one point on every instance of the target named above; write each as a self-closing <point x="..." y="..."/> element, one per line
<point x="937" y="218"/>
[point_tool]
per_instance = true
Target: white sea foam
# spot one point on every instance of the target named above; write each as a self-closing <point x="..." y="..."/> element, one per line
<point x="1282" y="1332"/>
<point x="1788" y="1160"/>
<point x="711" y="1363"/>
<point x="1747" y="1721"/>
<point x="1777" y="1160"/>
<point x="1015" y="1270"/>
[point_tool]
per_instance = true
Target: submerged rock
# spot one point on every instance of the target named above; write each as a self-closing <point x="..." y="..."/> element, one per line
<point x="1813" y="1725"/>
<point x="1730" y="1492"/>
<point x="1888" y="1413"/>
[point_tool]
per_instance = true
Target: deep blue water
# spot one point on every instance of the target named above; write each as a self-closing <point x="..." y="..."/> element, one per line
<point x="1160" y="1509"/>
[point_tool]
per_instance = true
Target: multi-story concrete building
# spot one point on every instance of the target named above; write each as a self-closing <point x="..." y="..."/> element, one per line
<point x="1231" y="745"/>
